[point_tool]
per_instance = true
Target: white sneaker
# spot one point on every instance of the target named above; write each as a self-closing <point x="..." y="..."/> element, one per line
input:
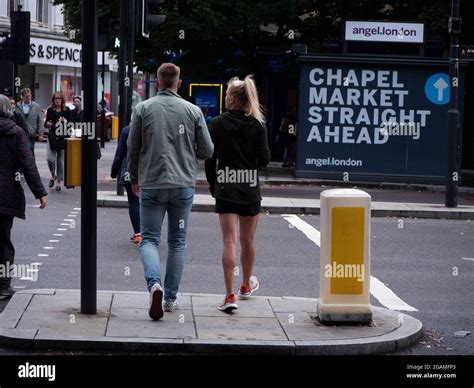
<point x="169" y="306"/>
<point x="156" y="298"/>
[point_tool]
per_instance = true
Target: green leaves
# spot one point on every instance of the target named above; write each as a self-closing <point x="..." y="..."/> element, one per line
<point x="212" y="36"/>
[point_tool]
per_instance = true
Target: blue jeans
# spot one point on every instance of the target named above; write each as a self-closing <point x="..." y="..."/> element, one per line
<point x="154" y="203"/>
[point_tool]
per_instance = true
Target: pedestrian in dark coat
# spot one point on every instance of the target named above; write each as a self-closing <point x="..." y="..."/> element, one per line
<point x="15" y="155"/>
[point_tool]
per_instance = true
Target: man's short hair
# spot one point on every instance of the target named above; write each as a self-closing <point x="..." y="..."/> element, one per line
<point x="168" y="75"/>
<point x="25" y="91"/>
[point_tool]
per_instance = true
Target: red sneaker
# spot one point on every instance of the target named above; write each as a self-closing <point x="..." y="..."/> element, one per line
<point x="229" y="304"/>
<point x="136" y="239"/>
<point x="246" y="292"/>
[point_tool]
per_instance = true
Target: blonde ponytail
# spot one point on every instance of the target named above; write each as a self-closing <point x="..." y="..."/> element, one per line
<point x="246" y="93"/>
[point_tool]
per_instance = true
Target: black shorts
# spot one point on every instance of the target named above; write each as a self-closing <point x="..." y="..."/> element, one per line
<point x="242" y="209"/>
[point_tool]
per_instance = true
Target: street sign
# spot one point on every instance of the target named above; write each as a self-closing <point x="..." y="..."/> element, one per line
<point x="388" y="32"/>
<point x="437" y="89"/>
<point x="373" y="119"/>
<point x="467" y="52"/>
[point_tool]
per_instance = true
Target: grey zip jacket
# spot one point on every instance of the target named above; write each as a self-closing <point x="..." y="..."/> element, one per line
<point x="33" y="118"/>
<point x="167" y="133"/>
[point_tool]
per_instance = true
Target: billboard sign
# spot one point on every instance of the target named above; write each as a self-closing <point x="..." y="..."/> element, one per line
<point x="373" y="120"/>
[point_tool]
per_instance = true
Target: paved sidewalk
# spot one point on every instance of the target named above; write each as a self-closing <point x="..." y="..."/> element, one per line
<point x="205" y="203"/>
<point x="51" y="319"/>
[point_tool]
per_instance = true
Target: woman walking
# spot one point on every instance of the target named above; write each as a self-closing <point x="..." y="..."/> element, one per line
<point x="15" y="156"/>
<point x="240" y="149"/>
<point x="57" y="117"/>
<point x="119" y="170"/>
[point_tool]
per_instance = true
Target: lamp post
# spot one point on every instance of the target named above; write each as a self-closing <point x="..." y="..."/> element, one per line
<point x="452" y="177"/>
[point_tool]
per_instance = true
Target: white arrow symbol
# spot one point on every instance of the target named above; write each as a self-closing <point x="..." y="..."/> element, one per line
<point x="441" y="85"/>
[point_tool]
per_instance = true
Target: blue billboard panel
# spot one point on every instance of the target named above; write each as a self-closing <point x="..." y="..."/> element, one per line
<point x="208" y="97"/>
<point x="373" y="120"/>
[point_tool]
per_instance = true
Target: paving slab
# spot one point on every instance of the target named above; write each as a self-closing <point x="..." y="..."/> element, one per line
<point x="261" y="325"/>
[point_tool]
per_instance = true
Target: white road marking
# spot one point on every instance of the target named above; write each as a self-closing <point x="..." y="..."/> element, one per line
<point x="310" y="232"/>
<point x="72" y="215"/>
<point x="19" y="287"/>
<point x="77" y="208"/>
<point x="58" y="234"/>
<point x="467" y="258"/>
<point x="53" y="241"/>
<point x="43" y="255"/>
<point x="48" y="247"/>
<point x="379" y="290"/>
<point x="61" y="229"/>
<point x="387" y="297"/>
<point x="64" y="224"/>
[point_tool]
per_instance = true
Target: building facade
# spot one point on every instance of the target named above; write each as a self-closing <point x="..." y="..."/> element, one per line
<point x="55" y="63"/>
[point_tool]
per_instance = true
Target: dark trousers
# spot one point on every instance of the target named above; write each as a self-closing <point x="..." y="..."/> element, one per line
<point x="289" y="142"/>
<point x="7" y="251"/>
<point x="31" y="143"/>
<point x="133" y="208"/>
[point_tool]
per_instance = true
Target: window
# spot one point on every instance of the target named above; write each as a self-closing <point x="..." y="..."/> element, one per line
<point x="42" y="11"/>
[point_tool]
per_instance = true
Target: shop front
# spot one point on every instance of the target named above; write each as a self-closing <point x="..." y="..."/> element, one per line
<point x="55" y="65"/>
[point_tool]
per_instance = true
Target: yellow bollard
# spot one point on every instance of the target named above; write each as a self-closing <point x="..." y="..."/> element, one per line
<point x="73" y="162"/>
<point x="345" y="256"/>
<point x="115" y="127"/>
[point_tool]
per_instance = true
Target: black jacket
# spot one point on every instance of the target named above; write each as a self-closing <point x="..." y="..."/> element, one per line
<point x="240" y="149"/>
<point x="119" y="165"/>
<point x="57" y="142"/>
<point x="16" y="155"/>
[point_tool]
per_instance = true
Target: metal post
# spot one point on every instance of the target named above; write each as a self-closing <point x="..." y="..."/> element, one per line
<point x="15" y="66"/>
<point x="130" y="54"/>
<point x="89" y="161"/>
<point x="102" y="113"/>
<point x="124" y="5"/>
<point x="451" y="199"/>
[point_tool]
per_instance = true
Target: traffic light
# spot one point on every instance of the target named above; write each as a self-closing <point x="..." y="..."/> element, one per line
<point x="114" y="33"/>
<point x="20" y="28"/>
<point x="148" y="20"/>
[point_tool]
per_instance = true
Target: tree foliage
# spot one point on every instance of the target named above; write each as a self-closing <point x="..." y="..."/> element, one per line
<point x="210" y="37"/>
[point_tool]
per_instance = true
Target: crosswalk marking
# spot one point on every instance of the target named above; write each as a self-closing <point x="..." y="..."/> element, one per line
<point x="310" y="232"/>
<point x="379" y="290"/>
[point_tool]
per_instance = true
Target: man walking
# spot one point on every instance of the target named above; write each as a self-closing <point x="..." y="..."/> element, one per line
<point x="166" y="135"/>
<point x="32" y="112"/>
